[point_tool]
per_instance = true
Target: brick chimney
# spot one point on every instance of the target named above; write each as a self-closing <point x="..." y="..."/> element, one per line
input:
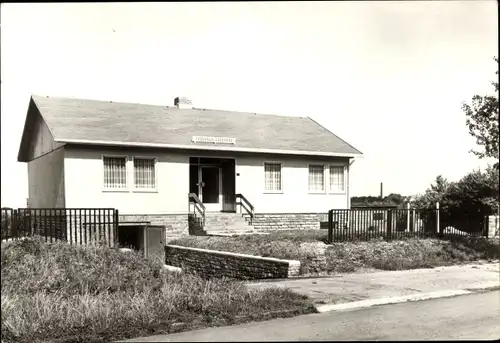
<point x="183" y="103"/>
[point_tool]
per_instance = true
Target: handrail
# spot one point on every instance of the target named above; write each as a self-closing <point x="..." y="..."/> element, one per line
<point x="198" y="205"/>
<point x="251" y="210"/>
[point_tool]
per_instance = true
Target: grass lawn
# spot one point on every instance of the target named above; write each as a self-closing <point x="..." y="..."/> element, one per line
<point x="316" y="257"/>
<point x="62" y="293"/>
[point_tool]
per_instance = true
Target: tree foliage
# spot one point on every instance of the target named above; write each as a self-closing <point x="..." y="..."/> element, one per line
<point x="391" y="199"/>
<point x="474" y="194"/>
<point x="482" y="121"/>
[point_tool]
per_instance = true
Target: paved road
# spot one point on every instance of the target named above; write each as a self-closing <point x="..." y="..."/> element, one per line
<point x="473" y="316"/>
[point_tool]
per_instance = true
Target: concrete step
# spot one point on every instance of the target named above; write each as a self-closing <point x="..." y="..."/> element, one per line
<point x="285" y="224"/>
<point x="227" y="224"/>
<point x="275" y="228"/>
<point x="228" y="234"/>
<point x="228" y="227"/>
<point x="282" y="220"/>
<point x="245" y="226"/>
<point x="229" y="231"/>
<point x="223" y="215"/>
<point x="224" y="218"/>
<point x="224" y="224"/>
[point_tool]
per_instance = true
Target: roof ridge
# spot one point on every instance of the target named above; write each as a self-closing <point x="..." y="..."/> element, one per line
<point x="143" y="104"/>
<point x="244" y="112"/>
<point x="97" y="100"/>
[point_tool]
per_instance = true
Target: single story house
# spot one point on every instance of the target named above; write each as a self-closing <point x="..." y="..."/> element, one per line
<point x="157" y="163"/>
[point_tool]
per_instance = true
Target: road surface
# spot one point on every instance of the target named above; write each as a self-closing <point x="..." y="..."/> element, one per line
<point x="472" y="316"/>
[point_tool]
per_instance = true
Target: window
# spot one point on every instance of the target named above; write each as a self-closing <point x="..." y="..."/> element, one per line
<point x="144" y="173"/>
<point x="316" y="178"/>
<point x="115" y="172"/>
<point x="272" y="176"/>
<point x="337" y="183"/>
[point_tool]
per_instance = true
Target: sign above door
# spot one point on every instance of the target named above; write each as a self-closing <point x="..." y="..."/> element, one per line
<point x="214" y="140"/>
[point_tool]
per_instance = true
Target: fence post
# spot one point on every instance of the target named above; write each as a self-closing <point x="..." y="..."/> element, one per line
<point x="14" y="222"/>
<point x="414" y="222"/>
<point x="389" y="225"/>
<point x="408" y="218"/>
<point x="486" y="226"/>
<point x="330" y="226"/>
<point x="115" y="229"/>
<point x="437" y="219"/>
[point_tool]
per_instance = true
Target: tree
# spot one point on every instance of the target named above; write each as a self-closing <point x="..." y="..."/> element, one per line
<point x="482" y="121"/>
<point x="477" y="191"/>
<point x="469" y="199"/>
<point x="436" y="193"/>
<point x="391" y="199"/>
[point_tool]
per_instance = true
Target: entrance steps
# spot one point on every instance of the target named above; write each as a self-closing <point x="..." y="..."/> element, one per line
<point x="227" y="224"/>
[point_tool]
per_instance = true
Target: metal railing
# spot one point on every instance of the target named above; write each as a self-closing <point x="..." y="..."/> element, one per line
<point x="245" y="204"/>
<point x="73" y="225"/>
<point x="393" y="224"/>
<point x="197" y="207"/>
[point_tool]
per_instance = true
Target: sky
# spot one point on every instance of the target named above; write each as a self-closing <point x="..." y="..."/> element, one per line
<point x="388" y="77"/>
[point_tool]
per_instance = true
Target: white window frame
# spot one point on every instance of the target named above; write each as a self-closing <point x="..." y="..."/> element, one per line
<point x="145" y="190"/>
<point x="330" y="191"/>
<point x="281" y="177"/>
<point x="127" y="184"/>
<point x="324" y="178"/>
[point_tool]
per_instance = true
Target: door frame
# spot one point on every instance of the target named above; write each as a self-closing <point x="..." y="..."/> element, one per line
<point x="216" y="207"/>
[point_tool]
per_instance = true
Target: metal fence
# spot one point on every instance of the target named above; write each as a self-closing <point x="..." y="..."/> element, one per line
<point x="394" y="224"/>
<point x="73" y="225"/>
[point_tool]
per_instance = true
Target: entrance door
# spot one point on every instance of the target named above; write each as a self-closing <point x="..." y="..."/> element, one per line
<point x="210" y="188"/>
<point x="228" y="186"/>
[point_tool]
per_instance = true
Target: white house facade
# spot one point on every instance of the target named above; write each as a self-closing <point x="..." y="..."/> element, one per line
<point x="153" y="163"/>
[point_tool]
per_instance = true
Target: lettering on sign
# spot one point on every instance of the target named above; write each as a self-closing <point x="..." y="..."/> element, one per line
<point x="214" y="140"/>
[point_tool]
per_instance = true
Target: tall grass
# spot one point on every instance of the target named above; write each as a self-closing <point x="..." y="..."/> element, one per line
<point x="62" y="293"/>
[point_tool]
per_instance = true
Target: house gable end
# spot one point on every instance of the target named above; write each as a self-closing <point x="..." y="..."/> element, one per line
<point x="37" y="139"/>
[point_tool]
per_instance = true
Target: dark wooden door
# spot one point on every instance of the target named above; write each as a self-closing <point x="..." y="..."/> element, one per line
<point x="210" y="185"/>
<point x="228" y="186"/>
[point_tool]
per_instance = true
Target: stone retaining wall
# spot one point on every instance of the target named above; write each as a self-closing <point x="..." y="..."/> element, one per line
<point x="212" y="263"/>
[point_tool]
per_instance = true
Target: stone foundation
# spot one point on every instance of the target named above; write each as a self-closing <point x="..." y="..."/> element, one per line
<point x="289" y="221"/>
<point x="212" y="263"/>
<point x="176" y="225"/>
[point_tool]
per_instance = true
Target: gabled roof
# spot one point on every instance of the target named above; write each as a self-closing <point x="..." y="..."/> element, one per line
<point x="81" y="121"/>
